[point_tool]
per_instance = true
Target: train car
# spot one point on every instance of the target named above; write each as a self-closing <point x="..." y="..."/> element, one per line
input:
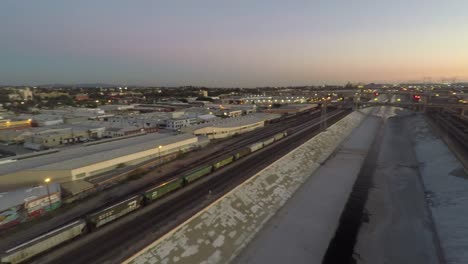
<point x="223" y="162"/>
<point x="44" y="242"/>
<point x="116" y="211"/>
<point x="256" y="146"/>
<point x="285" y="133"/>
<point x="268" y="141"/>
<point x="197" y="173"/>
<point x="279" y="136"/>
<point x="163" y="189"/>
<point x="243" y="152"/>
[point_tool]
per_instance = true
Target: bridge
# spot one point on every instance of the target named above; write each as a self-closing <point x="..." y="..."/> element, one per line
<point x="416" y="106"/>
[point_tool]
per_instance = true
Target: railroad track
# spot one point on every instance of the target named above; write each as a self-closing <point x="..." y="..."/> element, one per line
<point x="295" y="124"/>
<point x="293" y="127"/>
<point x="254" y="136"/>
<point x="113" y="243"/>
<point x="244" y="140"/>
<point x="453" y="125"/>
<point x="157" y="177"/>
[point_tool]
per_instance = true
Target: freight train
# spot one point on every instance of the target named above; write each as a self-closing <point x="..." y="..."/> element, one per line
<point x="101" y="217"/>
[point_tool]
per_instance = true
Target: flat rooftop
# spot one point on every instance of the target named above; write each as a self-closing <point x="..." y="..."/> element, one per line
<point x="237" y="121"/>
<point x="79" y="156"/>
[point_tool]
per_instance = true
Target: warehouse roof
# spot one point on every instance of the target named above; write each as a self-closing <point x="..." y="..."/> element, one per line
<point x="79" y="156"/>
<point x="237" y="121"/>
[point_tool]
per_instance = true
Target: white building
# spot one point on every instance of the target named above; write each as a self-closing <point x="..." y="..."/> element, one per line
<point x="47" y="120"/>
<point x="178" y="123"/>
<point x="87" y="160"/>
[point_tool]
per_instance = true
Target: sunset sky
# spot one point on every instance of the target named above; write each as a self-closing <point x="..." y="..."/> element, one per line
<point x="232" y="43"/>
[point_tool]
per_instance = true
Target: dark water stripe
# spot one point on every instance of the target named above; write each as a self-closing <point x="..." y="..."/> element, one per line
<point x="341" y="248"/>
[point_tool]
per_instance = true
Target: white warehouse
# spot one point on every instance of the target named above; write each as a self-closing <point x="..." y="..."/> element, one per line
<point x="84" y="161"/>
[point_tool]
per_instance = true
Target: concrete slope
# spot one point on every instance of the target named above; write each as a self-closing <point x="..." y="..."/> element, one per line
<point x="302" y="230"/>
<point x="218" y="233"/>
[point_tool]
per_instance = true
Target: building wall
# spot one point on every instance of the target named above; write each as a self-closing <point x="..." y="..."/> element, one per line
<point x="217" y="132"/>
<point x="14" y="136"/>
<point x="32" y="177"/>
<point x="65" y="136"/>
<point x="175" y="124"/>
<point x="26" y="177"/>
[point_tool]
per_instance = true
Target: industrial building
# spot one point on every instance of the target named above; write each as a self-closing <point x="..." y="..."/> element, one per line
<point x="59" y="135"/>
<point x="231" y="126"/>
<point x="290" y="108"/>
<point x="82" y="161"/>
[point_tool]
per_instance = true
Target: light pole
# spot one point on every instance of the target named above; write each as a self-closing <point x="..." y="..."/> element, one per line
<point x="159" y="155"/>
<point x="47" y="181"/>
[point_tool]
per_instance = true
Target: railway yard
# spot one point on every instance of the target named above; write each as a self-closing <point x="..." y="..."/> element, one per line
<point x="295" y="130"/>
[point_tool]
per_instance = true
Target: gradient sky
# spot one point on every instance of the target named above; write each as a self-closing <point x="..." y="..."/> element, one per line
<point x="232" y="43"/>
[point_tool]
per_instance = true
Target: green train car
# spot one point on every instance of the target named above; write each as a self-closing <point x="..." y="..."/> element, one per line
<point x="197" y="173"/>
<point x="223" y="162"/>
<point x="115" y="211"/>
<point x="256" y="146"/>
<point x="243" y="152"/>
<point x="268" y="141"/>
<point x="163" y="189"/>
<point x="279" y="136"/>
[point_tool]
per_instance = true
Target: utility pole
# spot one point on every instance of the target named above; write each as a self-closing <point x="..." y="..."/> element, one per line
<point x="323" y="116"/>
<point x="357" y="99"/>
<point x="47" y="181"/>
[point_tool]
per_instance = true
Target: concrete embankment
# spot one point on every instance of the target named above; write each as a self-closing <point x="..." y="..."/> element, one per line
<point x="446" y="188"/>
<point x="218" y="233"/>
<point x="303" y="228"/>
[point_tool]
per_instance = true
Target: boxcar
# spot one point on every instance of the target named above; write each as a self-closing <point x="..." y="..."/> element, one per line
<point x="268" y="141"/>
<point x="256" y="146"/>
<point x="279" y="136"/>
<point x="223" y="162"/>
<point x="243" y="152"/>
<point x="197" y="173"/>
<point x="113" y="212"/>
<point x="44" y="242"/>
<point x="164" y="188"/>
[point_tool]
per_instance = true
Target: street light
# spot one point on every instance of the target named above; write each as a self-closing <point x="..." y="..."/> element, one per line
<point x="47" y="181"/>
<point x="159" y="151"/>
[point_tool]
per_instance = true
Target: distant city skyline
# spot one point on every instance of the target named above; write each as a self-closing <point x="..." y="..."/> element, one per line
<point x="232" y="43"/>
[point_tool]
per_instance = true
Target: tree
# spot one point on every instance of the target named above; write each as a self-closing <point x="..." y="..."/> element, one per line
<point x="202" y="98"/>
